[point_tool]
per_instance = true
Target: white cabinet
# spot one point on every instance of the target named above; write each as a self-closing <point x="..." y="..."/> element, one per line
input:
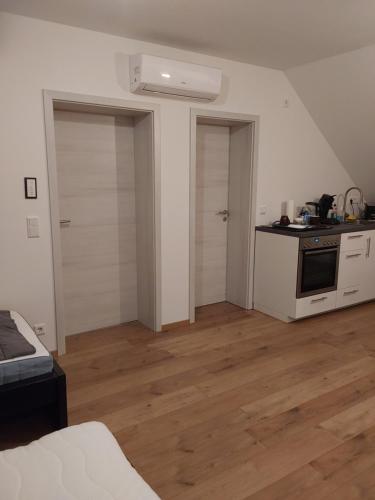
<point x="275" y="275"/>
<point x="353" y="241"/>
<point x="351" y="268"/>
<point x="349" y="296"/>
<point x="356" y="280"/>
<point x="316" y="304"/>
<point x="276" y="271"/>
<point x="369" y="267"/>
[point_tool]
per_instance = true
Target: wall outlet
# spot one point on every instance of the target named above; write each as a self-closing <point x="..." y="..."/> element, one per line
<point x="40" y="329"/>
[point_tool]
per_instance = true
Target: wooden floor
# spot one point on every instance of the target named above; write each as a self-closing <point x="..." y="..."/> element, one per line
<point x="238" y="406"/>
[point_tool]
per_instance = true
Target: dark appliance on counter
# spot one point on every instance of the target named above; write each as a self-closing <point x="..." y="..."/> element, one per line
<point x="315" y="205"/>
<point x="318" y="264"/>
<point x="370" y="211"/>
<point x="284" y="220"/>
<point x="325" y="205"/>
<point x="321" y="210"/>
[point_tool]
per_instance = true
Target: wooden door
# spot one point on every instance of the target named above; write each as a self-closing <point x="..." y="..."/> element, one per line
<point x="145" y="217"/>
<point x="95" y="168"/>
<point x="239" y="206"/>
<point x="212" y="169"/>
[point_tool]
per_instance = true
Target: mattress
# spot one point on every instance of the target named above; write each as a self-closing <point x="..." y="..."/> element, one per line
<point x="39" y="363"/>
<point x="83" y="462"/>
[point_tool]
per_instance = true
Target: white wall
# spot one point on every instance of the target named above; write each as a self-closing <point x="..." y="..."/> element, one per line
<point x="339" y="93"/>
<point x="295" y="161"/>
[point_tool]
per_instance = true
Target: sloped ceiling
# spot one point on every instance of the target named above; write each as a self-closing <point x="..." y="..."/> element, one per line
<point x="339" y="92"/>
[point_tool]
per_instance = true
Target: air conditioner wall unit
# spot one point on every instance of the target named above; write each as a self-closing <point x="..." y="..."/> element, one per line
<point x="150" y="74"/>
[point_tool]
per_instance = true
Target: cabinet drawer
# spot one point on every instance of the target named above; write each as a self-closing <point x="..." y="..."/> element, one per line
<point x="353" y="241"/>
<point x="349" y="296"/>
<point x="351" y="268"/>
<point x="307" y="306"/>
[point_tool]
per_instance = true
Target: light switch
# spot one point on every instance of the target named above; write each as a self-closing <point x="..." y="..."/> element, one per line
<point x="32" y="226"/>
<point x="262" y="210"/>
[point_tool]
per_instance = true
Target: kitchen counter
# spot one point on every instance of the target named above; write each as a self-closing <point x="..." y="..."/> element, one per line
<point x="336" y="229"/>
<point x="293" y="279"/>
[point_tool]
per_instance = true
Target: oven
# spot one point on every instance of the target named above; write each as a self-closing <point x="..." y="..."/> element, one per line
<point x="318" y="264"/>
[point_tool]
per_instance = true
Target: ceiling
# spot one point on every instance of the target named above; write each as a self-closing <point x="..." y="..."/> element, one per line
<point x="273" y="33"/>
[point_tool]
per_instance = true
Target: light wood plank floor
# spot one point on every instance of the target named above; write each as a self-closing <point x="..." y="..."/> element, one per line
<point x="237" y="406"/>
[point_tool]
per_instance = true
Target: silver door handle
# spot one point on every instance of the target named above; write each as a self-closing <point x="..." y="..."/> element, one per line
<point x="353" y="255"/>
<point x="65" y="221"/>
<point x="355" y="236"/>
<point x="351" y="292"/>
<point x="224" y="214"/>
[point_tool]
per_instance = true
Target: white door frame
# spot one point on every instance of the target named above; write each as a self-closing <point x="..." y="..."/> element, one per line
<point x="232" y="119"/>
<point x="49" y="98"/>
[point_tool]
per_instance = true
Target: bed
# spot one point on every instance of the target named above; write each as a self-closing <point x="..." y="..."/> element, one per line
<point x="31" y="387"/>
<point x="24" y="367"/>
<point x="83" y="462"/>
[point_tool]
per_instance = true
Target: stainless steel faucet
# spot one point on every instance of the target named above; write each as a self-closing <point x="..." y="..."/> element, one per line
<point x="361" y="201"/>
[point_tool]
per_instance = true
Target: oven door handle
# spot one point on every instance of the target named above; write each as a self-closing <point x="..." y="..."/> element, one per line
<point x="324" y="250"/>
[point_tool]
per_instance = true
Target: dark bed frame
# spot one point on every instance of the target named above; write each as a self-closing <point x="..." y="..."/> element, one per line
<point x="45" y="393"/>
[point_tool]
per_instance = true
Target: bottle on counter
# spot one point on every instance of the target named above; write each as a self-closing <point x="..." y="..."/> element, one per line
<point x="334" y="212"/>
<point x="340" y="209"/>
<point x="306" y="218"/>
<point x="305" y="215"/>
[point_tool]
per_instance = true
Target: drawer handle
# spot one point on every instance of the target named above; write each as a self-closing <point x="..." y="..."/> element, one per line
<point x="368" y="247"/>
<point x="352" y="292"/>
<point x="313" y="301"/>
<point x="353" y="255"/>
<point x="352" y="237"/>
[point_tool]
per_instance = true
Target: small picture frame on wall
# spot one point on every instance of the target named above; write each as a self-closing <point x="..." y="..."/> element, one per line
<point x="31" y="192"/>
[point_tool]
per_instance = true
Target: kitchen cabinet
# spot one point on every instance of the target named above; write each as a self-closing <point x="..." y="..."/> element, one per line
<point x="353" y="241"/>
<point x="276" y="275"/>
<point x="349" y="296"/>
<point x="351" y="268"/>
<point x="316" y="304"/>
<point x="356" y="278"/>
<point x="369" y="267"/>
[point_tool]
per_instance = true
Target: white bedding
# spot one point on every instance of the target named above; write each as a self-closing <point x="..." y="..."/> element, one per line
<point x="83" y="462"/>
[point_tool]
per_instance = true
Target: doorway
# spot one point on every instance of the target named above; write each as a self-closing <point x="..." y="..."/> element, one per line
<point x="222" y="204"/>
<point x="104" y="197"/>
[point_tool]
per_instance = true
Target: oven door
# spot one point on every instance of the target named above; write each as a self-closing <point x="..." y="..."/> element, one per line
<point x="317" y="271"/>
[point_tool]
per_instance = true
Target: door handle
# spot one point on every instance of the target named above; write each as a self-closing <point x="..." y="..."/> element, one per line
<point x="352" y="237"/>
<point x="224" y="213"/>
<point x="350" y="256"/>
<point x="65" y="221"/>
